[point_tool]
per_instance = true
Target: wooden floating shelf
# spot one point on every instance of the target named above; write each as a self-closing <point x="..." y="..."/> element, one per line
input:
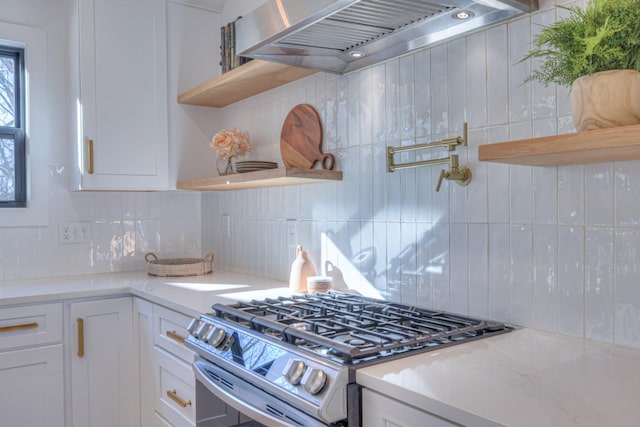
<point x="261" y="179"/>
<point x="247" y="80"/>
<point x="602" y="145"/>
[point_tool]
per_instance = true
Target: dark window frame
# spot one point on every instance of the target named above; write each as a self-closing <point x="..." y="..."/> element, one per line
<point x="17" y="132"/>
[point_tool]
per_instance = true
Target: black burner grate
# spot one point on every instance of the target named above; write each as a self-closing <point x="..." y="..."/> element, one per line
<point x="352" y="328"/>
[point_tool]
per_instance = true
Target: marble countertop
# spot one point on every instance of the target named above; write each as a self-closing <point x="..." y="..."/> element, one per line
<point x="524" y="378"/>
<point x="189" y="295"/>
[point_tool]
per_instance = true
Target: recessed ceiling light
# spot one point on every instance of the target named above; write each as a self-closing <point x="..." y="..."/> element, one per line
<point x="356" y="54"/>
<point x="462" y="14"/>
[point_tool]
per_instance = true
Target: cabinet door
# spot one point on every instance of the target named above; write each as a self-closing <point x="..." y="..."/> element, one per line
<point x="102" y="363"/>
<point x="143" y="338"/>
<point x="123" y="94"/>
<point x="32" y="387"/>
<point x="381" y="411"/>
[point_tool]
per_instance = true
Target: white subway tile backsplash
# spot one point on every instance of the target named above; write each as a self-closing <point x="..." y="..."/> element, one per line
<point x="497" y="76"/>
<point x="424" y="185"/>
<point x="599" y="284"/>
<point x="545" y="195"/>
<point x="392" y="100"/>
<point x="571" y="195"/>
<point x="571" y="280"/>
<point x="457" y="83"/>
<point x="439" y="90"/>
<point x="544" y="96"/>
<point x="599" y="194"/>
<point x="342" y="111"/>
<point x="393" y="289"/>
<point x="498" y="182"/>
<point x="440" y="262"/>
<point x="479" y="270"/>
<point x="425" y="266"/>
<point x="408" y="263"/>
<point x="422" y="73"/>
<point x="406" y="86"/>
<point x="627" y="291"/>
<point x="460" y="269"/>
<point x="353" y="109"/>
<point x="521" y="298"/>
<point x="499" y="272"/>
<point x="545" y="277"/>
<point x="627" y="193"/>
<point x="520" y="103"/>
<point x="476" y="80"/>
<point x="408" y="191"/>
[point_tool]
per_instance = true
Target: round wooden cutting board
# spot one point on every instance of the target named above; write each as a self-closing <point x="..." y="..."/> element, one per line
<point x="301" y="139"/>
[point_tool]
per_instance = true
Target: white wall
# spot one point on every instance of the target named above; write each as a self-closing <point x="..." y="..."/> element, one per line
<point x="123" y="225"/>
<point x="549" y="248"/>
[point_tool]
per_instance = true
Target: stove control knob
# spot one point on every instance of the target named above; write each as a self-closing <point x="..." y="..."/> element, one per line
<point x="204" y="330"/>
<point x="193" y="325"/>
<point x="216" y="337"/>
<point x="314" y="380"/>
<point x="200" y="330"/>
<point x="293" y="371"/>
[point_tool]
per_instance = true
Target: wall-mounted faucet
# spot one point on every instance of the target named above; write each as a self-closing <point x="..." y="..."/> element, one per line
<point x="461" y="175"/>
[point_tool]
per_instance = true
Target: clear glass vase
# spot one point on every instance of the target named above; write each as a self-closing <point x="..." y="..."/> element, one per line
<point x="225" y="167"/>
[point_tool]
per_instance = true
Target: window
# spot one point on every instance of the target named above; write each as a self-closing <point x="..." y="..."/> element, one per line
<point x="12" y="128"/>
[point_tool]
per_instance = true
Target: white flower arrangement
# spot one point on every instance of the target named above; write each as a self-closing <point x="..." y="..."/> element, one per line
<point x="230" y="143"/>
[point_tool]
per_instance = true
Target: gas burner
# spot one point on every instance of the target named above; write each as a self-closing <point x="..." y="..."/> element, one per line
<point x="354" y="328"/>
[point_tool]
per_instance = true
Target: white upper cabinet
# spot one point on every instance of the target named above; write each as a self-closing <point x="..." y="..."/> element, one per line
<point x="118" y="52"/>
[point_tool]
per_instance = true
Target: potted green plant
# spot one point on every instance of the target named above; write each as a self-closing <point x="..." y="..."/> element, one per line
<point x="595" y="51"/>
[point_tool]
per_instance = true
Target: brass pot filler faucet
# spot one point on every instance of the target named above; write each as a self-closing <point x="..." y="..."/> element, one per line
<point x="459" y="174"/>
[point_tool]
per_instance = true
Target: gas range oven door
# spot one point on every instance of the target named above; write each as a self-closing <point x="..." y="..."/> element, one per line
<point x="244" y="397"/>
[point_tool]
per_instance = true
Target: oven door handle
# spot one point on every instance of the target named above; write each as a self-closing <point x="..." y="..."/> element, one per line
<point x="239" y="405"/>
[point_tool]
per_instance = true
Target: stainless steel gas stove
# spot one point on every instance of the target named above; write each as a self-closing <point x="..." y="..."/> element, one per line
<point x="292" y="361"/>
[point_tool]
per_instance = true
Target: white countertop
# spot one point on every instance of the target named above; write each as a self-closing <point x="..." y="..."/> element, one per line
<point x="189" y="295"/>
<point x="524" y="378"/>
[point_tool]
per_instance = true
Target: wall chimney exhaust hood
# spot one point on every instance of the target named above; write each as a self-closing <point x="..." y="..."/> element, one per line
<point x="340" y="36"/>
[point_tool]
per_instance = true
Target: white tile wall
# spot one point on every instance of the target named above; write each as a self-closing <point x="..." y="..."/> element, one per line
<point x="123" y="227"/>
<point x="556" y="249"/>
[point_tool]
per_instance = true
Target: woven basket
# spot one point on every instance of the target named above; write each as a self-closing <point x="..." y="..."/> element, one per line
<point x="178" y="267"/>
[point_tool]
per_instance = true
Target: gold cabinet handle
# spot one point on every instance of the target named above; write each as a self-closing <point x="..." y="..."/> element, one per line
<point x="80" y="336"/>
<point x="90" y="157"/>
<point x="173" y="395"/>
<point x="15" y="328"/>
<point x="176" y="337"/>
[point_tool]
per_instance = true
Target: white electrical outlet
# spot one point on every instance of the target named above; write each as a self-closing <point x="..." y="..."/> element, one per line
<point x="74" y="232"/>
<point x="292" y="233"/>
<point x="226" y="226"/>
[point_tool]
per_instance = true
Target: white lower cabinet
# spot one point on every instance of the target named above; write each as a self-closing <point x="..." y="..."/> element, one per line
<point x="31" y="366"/>
<point x="175" y="396"/>
<point x="167" y="383"/>
<point x="32" y="387"/>
<point x="103" y="383"/>
<point x="381" y="411"/>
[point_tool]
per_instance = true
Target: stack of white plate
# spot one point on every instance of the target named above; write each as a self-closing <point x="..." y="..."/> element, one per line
<point x="254" y="165"/>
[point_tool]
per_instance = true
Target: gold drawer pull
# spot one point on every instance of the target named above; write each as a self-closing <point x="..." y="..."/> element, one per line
<point x="80" y="336"/>
<point x="176" y="337"/>
<point x="173" y="395"/>
<point x="90" y="157"/>
<point x="15" y="328"/>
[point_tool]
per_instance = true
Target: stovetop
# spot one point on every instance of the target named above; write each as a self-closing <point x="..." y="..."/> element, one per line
<point x="352" y="329"/>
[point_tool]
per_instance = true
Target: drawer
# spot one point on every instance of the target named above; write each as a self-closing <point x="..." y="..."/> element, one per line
<point x="158" y="421"/>
<point x="30" y="325"/>
<point x="170" y="330"/>
<point x="175" y="395"/>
